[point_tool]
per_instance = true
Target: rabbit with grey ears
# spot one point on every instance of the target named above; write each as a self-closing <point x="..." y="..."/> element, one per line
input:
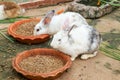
<point x="77" y="39"/>
<point x="52" y="22"/>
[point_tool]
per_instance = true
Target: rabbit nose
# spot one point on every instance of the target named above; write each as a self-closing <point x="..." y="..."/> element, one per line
<point x="53" y="11"/>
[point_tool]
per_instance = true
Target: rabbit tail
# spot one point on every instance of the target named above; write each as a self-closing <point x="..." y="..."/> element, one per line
<point x="95" y="41"/>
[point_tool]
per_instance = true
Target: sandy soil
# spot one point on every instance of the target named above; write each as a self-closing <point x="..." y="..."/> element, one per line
<point x="97" y="68"/>
<point x="100" y="67"/>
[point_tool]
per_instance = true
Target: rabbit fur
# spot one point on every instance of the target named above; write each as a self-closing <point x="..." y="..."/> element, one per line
<point x="78" y="39"/>
<point x="10" y="13"/>
<point x="52" y="22"/>
<point x="2" y="13"/>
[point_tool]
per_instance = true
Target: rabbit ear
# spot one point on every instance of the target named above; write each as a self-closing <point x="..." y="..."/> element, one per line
<point x="70" y="28"/>
<point x="48" y="17"/>
<point x="66" y="27"/>
<point x="66" y="24"/>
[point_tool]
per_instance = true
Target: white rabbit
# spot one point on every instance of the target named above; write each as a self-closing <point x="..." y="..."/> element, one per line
<point x="2" y="13"/>
<point x="77" y="39"/>
<point x="52" y="23"/>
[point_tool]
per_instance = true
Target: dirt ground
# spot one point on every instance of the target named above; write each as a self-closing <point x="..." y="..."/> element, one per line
<point x="100" y="67"/>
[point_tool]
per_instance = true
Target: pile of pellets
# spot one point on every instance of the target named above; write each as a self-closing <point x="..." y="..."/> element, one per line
<point x="41" y="63"/>
<point x="27" y="28"/>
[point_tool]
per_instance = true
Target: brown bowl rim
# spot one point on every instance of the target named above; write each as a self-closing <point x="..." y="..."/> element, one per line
<point x="43" y="75"/>
<point x="22" y="37"/>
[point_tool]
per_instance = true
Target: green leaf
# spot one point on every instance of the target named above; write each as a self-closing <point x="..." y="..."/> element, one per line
<point x="111" y="2"/>
<point x="12" y="20"/>
<point x="6" y="37"/>
<point x="110" y="51"/>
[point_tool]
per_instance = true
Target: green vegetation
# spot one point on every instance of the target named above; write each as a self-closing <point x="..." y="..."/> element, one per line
<point x="111" y="2"/>
<point x="11" y="20"/>
<point x="111" y="45"/>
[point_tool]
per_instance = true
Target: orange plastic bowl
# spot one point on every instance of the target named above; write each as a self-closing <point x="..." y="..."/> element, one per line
<point x="26" y="39"/>
<point x="41" y="51"/>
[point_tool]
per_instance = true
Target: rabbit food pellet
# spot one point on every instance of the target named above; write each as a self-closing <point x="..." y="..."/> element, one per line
<point x="27" y="28"/>
<point x="41" y="63"/>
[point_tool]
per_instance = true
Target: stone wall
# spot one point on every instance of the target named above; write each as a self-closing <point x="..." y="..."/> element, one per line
<point x="41" y="3"/>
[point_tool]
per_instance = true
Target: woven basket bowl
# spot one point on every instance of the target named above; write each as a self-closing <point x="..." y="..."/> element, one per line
<point x="26" y="39"/>
<point x="41" y="51"/>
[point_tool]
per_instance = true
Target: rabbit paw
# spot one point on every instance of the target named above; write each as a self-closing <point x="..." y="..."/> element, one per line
<point x="84" y="57"/>
<point x="72" y="58"/>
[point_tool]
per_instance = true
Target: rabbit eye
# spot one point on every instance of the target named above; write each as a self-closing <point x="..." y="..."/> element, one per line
<point x="59" y="39"/>
<point x="37" y="29"/>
